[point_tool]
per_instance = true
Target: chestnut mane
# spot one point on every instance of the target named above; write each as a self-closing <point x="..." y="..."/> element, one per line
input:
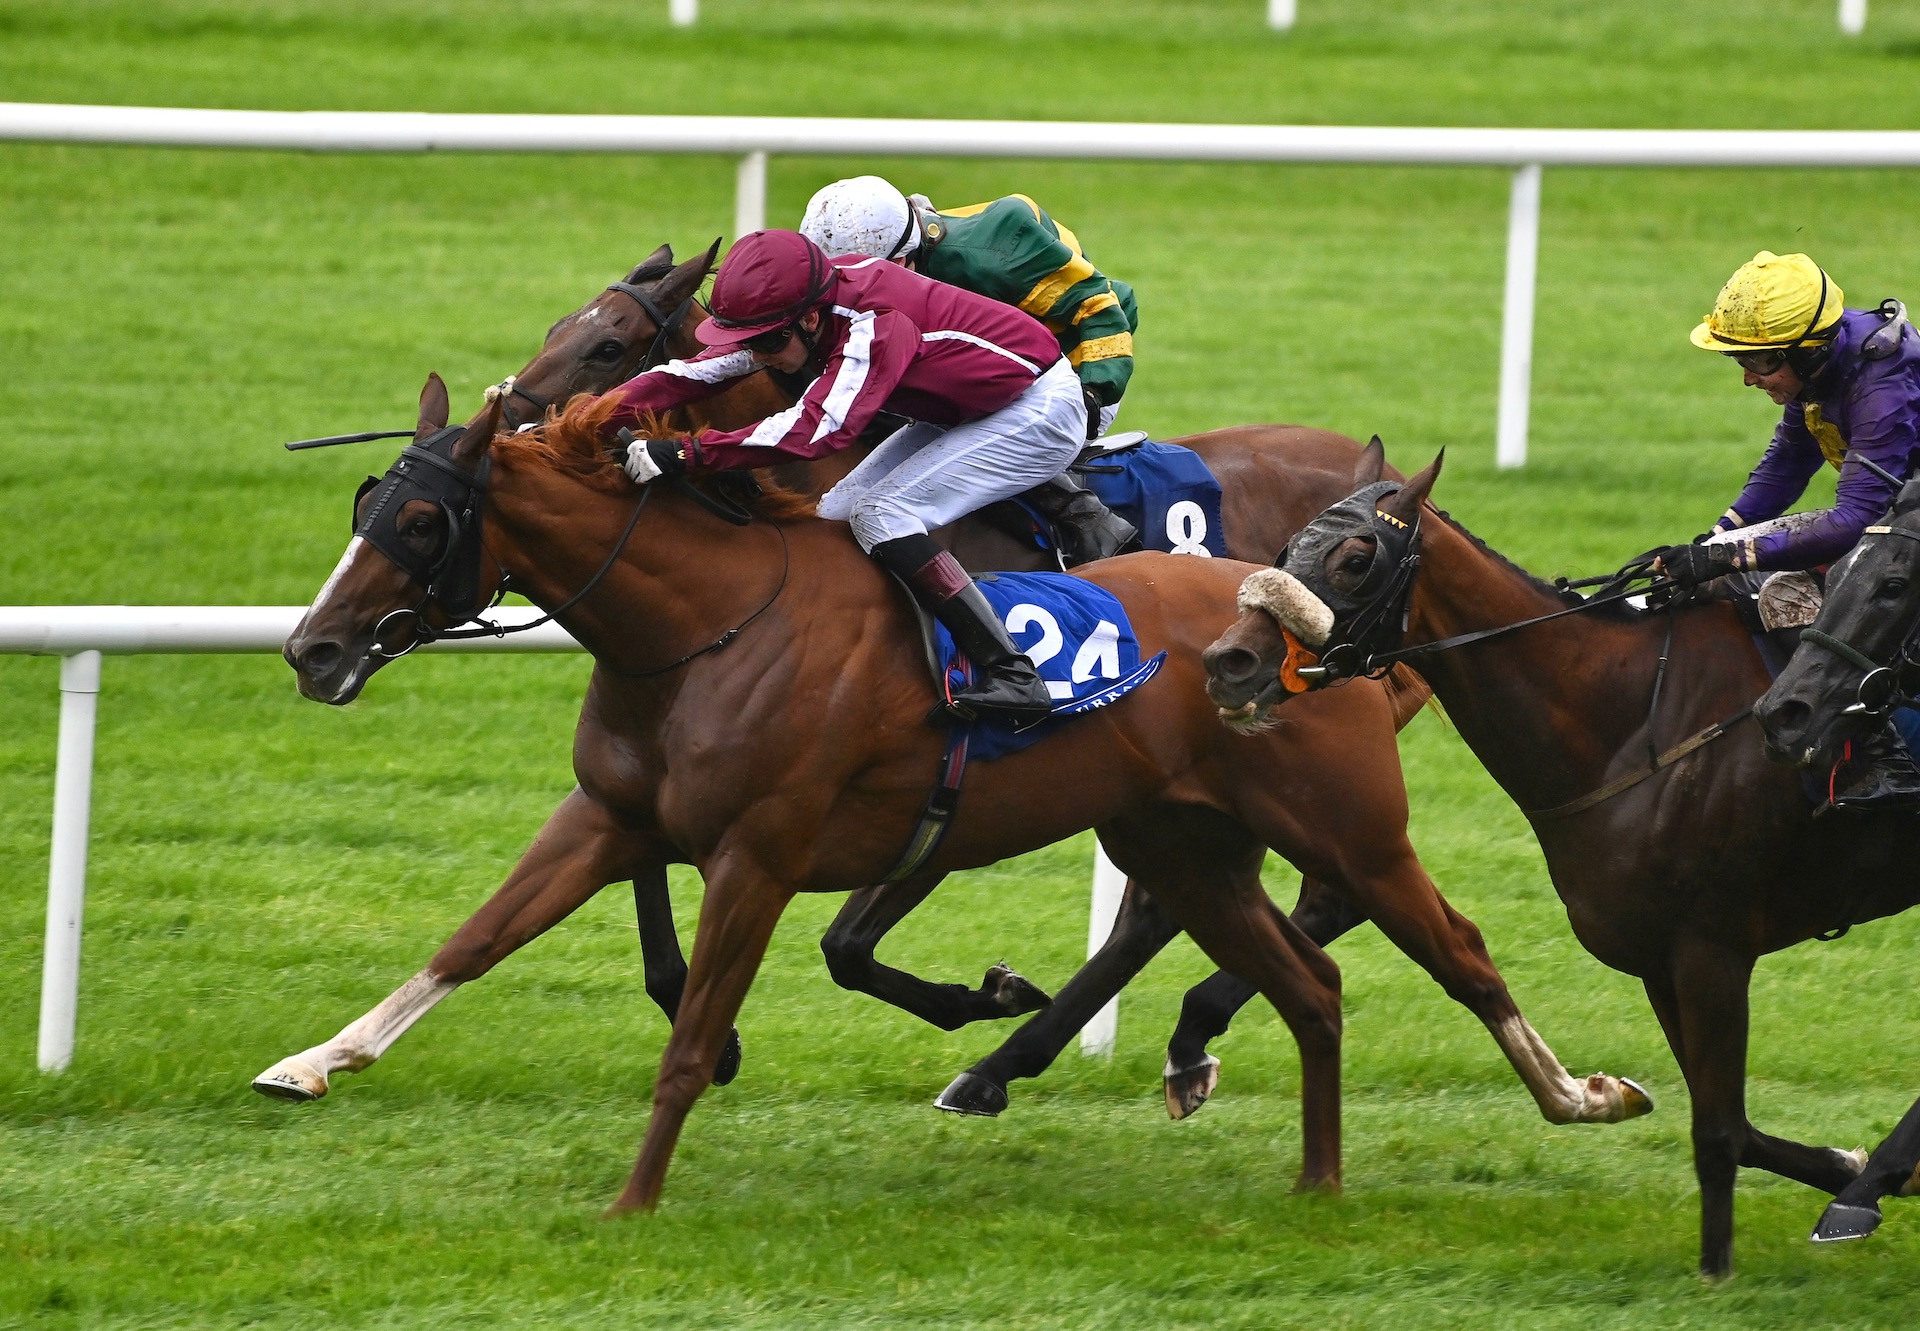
<point x="570" y="441"/>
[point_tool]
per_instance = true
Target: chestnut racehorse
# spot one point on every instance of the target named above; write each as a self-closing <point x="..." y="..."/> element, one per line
<point x="1273" y="478"/>
<point x="798" y="758"/>
<point x="1681" y="853"/>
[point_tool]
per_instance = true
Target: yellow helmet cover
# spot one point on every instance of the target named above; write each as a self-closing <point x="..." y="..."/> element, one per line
<point x="1773" y="300"/>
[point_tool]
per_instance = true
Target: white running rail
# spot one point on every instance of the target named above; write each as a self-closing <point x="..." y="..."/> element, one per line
<point x="754" y="138"/>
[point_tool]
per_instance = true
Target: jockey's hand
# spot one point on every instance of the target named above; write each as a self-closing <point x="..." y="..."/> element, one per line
<point x="648" y="458"/>
<point x="1093" y="411"/>
<point x="1691" y="565"/>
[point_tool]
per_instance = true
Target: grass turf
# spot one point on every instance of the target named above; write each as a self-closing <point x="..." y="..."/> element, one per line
<point x="263" y="870"/>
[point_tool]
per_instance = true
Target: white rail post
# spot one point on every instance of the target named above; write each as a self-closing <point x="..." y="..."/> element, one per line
<point x="1516" y="329"/>
<point x="1280" y="15"/>
<point x="1097" y="1036"/>
<point x="67" y="865"/>
<point x="1853" y="17"/>
<point x="684" y="12"/>
<point x="750" y="194"/>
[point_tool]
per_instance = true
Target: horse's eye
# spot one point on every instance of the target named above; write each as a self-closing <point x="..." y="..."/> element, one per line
<point x="607" y="350"/>
<point x="1893" y="587"/>
<point x="1355" y="563"/>
<point x="420" y="526"/>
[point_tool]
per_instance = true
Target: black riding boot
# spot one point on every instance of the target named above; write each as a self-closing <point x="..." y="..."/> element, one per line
<point x="1005" y="683"/>
<point x="1085" y="528"/>
<point x="1888" y="778"/>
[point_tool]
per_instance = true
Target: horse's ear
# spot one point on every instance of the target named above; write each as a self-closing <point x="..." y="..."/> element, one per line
<point x="433" y="406"/>
<point x="480" y="432"/>
<point x="660" y="258"/>
<point x="1405" y="502"/>
<point x="1372" y="463"/>
<point x="685" y="280"/>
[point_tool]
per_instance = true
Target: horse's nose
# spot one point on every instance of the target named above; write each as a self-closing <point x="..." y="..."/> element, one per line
<point x="1784" y="722"/>
<point x="1230" y="665"/>
<point x="314" y="659"/>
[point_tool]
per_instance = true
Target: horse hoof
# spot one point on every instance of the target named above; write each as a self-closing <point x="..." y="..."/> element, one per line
<point x="729" y="1065"/>
<point x="292" y="1079"/>
<point x="1842" y="1221"/>
<point x="1635" y="1099"/>
<point x="1189" y="1088"/>
<point x="972" y="1095"/>
<point x="1012" y="993"/>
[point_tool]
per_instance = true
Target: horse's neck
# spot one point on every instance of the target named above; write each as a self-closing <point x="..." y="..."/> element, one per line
<point x="1549" y="710"/>
<point x="670" y="591"/>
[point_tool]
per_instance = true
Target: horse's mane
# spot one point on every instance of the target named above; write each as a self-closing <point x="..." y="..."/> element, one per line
<point x="1564" y="595"/>
<point x="570" y="441"/>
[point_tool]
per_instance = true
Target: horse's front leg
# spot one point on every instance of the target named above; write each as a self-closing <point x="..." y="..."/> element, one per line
<point x="867" y="917"/>
<point x="742" y="904"/>
<point x="1892" y="1170"/>
<point x="581" y="849"/>
<point x="665" y="964"/>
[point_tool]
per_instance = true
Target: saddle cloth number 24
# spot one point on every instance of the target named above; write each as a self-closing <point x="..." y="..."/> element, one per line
<point x="1097" y="658"/>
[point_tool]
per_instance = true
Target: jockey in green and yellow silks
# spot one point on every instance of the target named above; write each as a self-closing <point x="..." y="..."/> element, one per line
<point x="1011" y="251"/>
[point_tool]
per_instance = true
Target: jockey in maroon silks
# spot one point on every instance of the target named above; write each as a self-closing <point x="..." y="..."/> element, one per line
<point x="993" y="409"/>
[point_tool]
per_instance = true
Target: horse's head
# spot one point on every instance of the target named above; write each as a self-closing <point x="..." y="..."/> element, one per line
<point x="1336" y="596"/>
<point x="415" y="565"/>
<point x="620" y="332"/>
<point x="1861" y="657"/>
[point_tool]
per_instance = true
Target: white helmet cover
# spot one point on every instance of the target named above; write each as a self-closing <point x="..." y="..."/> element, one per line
<point x="862" y="215"/>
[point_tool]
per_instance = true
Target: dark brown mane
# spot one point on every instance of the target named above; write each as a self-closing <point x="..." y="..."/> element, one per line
<point x="570" y="441"/>
<point x="1612" y="610"/>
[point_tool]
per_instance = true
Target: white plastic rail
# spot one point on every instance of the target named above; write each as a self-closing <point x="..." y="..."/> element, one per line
<point x="754" y="138"/>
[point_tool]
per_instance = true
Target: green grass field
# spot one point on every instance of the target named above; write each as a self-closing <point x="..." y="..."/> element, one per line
<point x="265" y="869"/>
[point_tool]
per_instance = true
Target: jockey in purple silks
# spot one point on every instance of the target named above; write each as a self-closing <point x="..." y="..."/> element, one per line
<point x="993" y="406"/>
<point x="1848" y="384"/>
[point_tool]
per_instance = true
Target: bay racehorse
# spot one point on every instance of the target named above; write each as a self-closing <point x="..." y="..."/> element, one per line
<point x="1273" y="478"/>
<point x="1858" y="661"/>
<point x="798" y="758"/>
<point x="1681" y="853"/>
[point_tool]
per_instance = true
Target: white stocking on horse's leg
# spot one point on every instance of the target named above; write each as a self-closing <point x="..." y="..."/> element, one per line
<point x="737" y="916"/>
<point x="579" y="851"/>
<point x="867" y="917"/>
<point x="1400" y="898"/>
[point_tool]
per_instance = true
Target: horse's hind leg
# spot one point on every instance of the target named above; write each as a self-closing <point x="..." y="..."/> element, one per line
<point x="1191" y="1074"/>
<point x="1140" y="930"/>
<point x="742" y="904"/>
<point x="1892" y="1170"/>
<point x="1205" y="873"/>
<point x="579" y="851"/>
<point x="665" y="964"/>
<point x="867" y="917"/>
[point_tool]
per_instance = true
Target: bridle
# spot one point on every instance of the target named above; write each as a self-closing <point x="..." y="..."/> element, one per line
<point x="1882" y="687"/>
<point x="665" y="325"/>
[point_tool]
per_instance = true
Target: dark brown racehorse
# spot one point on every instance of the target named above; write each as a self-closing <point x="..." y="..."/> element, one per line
<point x="798" y="758"/>
<point x="1273" y="478"/>
<point x="1855" y="663"/>
<point x="1681" y="876"/>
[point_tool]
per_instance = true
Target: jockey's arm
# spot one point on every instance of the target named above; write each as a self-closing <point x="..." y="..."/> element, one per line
<point x="1781" y="475"/>
<point x="675" y="384"/>
<point x="852" y="387"/>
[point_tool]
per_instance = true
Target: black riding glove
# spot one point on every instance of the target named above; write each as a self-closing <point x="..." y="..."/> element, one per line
<point x="648" y="458"/>
<point x="1691" y="565"/>
<point x="1092" y="400"/>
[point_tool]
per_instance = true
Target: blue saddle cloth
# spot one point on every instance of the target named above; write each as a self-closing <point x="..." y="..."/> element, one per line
<point x="1164" y="490"/>
<point x="1078" y="637"/>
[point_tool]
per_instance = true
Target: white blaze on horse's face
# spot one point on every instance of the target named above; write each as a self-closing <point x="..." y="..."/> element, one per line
<point x="339" y="571"/>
